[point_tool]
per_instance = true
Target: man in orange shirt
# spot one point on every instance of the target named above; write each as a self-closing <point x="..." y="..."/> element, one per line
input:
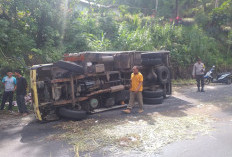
<point x="135" y="90"/>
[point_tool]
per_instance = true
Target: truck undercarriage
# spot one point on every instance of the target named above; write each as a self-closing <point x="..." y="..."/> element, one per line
<point x="89" y="81"/>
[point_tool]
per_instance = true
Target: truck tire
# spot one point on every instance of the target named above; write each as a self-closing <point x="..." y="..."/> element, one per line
<point x="163" y="74"/>
<point x="153" y="101"/>
<point x="151" y="62"/>
<point x="70" y="66"/>
<point x="109" y="102"/>
<point x="72" y="114"/>
<point x="153" y="94"/>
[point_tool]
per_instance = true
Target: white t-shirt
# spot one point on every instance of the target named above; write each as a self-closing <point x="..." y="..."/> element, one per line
<point x="198" y="69"/>
<point x="9" y="83"/>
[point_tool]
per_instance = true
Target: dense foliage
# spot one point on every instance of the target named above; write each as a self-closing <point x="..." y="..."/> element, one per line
<point x="41" y="31"/>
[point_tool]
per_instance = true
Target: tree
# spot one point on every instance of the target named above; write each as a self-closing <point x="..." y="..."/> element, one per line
<point x="177" y="8"/>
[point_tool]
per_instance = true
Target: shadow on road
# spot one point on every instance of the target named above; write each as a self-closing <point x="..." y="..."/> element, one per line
<point x="171" y="107"/>
<point x="219" y="95"/>
<point x="35" y="139"/>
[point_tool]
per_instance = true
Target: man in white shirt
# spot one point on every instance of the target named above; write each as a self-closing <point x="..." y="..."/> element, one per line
<point x="10" y="85"/>
<point x="198" y="73"/>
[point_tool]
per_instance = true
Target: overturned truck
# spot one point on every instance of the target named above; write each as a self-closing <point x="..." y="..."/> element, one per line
<point x="90" y="82"/>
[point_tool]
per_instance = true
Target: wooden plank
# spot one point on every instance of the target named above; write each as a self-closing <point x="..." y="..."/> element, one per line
<point x="44" y="104"/>
<point x="75" y="78"/>
<point x="61" y="80"/>
<point x="63" y="102"/>
<point x="73" y="92"/>
<point x="99" y="92"/>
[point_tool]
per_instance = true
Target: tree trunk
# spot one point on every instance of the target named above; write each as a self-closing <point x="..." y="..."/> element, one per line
<point x="15" y="15"/>
<point x="216" y="3"/>
<point x="39" y="36"/>
<point x="156" y="5"/>
<point x="204" y="6"/>
<point x="177" y="8"/>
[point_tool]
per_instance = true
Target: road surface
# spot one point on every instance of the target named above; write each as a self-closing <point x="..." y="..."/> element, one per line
<point x="25" y="137"/>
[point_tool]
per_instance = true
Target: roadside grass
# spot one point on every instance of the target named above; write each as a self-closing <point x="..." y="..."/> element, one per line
<point x="6" y="114"/>
<point x="14" y="108"/>
<point x="183" y="82"/>
<point x="146" y="134"/>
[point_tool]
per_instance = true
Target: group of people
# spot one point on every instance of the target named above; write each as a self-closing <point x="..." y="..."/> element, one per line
<point x="12" y="85"/>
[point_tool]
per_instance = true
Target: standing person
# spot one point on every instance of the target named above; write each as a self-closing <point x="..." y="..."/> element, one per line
<point x="21" y="92"/>
<point x="10" y="85"/>
<point x="135" y="90"/>
<point x="198" y="73"/>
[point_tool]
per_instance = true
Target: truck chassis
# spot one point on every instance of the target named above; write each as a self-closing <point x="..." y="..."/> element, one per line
<point x="87" y="82"/>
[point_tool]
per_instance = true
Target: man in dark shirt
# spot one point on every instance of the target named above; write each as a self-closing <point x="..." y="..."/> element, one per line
<point x="21" y="92"/>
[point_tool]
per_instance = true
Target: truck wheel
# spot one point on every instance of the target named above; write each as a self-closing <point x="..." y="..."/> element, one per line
<point x="71" y="66"/>
<point x="153" y="101"/>
<point x="72" y="114"/>
<point x="163" y="74"/>
<point x="109" y="102"/>
<point x="151" y="62"/>
<point x="153" y="94"/>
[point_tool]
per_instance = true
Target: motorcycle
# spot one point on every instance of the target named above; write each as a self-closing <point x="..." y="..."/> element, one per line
<point x="221" y="78"/>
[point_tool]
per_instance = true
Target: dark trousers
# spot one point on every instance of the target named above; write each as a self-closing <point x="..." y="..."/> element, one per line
<point x="9" y="96"/>
<point x="200" y="81"/>
<point x="21" y="103"/>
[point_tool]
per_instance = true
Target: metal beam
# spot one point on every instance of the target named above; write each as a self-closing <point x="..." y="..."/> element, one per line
<point x="73" y="92"/>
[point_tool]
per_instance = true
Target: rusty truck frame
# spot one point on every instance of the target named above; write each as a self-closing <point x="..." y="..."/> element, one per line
<point x="90" y="82"/>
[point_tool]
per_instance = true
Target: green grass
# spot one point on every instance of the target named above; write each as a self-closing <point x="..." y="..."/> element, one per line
<point x="14" y="108"/>
<point x="183" y="82"/>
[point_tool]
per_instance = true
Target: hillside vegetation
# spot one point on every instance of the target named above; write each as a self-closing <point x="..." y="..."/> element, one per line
<point x="33" y="32"/>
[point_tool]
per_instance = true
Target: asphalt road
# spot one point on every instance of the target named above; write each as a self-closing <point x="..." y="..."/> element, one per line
<point x="28" y="139"/>
<point x="219" y="142"/>
<point x="25" y="137"/>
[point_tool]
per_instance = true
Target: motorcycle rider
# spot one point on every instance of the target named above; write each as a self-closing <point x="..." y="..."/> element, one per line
<point x="198" y="73"/>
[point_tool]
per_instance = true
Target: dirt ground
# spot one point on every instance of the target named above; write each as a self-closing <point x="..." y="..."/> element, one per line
<point x="162" y="130"/>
